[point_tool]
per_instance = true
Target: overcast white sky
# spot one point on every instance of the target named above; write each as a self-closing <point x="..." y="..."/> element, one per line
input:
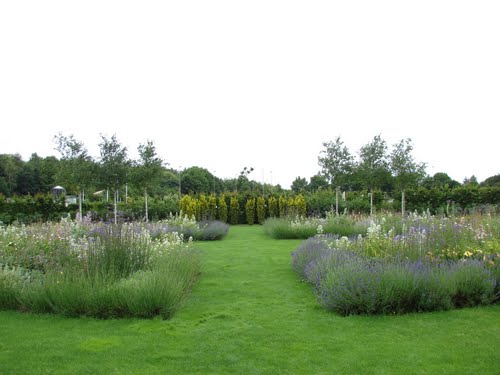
<point x="228" y="84"/>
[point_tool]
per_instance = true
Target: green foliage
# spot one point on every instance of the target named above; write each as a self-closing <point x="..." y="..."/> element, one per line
<point x="102" y="271"/>
<point x="281" y="228"/>
<point x="222" y="208"/>
<point x="291" y="208"/>
<point x="212" y="207"/>
<point x="493" y="181"/>
<point x="300" y="205"/>
<point x="336" y="162"/>
<point x="261" y="210"/>
<point x="301" y="227"/>
<point x="273" y="206"/>
<point x="203" y="209"/>
<point x="189" y="206"/>
<point x="317" y="182"/>
<point x="299" y="185"/>
<point x="196" y="180"/>
<point x="234" y="210"/>
<point x="10" y="166"/>
<point x="405" y="170"/>
<point x="250" y="211"/>
<point x="282" y="206"/>
<point x="348" y="282"/>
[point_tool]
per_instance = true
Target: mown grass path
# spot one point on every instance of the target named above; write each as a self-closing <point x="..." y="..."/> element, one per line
<point x="250" y="315"/>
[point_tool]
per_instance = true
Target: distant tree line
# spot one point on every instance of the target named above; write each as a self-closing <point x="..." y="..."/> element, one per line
<point x="373" y="179"/>
<point x="378" y="169"/>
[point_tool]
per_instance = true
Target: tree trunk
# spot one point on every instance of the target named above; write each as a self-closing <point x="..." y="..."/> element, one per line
<point x="403" y="202"/>
<point x="80" y="210"/>
<point x="146" y="203"/>
<point x="116" y="204"/>
<point x="337" y="200"/>
<point x="371" y="201"/>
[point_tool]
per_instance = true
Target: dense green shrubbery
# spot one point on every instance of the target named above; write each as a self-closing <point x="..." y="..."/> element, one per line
<point x="436" y="200"/>
<point x="273" y="207"/>
<point x="234" y="210"/>
<point x="250" y="211"/>
<point x="222" y="208"/>
<point x="261" y="210"/>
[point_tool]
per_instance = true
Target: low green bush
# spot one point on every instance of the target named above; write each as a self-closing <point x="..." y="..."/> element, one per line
<point x="300" y="227"/>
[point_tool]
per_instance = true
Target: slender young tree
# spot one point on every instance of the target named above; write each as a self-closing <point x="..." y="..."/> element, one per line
<point x="77" y="168"/>
<point x="147" y="170"/>
<point x="406" y="171"/>
<point x="114" y="164"/>
<point x="336" y="164"/>
<point x="373" y="166"/>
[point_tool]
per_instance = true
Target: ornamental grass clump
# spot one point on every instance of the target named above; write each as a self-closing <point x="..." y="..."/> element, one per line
<point x="300" y="227"/>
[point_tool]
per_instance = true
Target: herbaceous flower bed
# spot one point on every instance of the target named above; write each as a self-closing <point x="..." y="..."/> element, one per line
<point x="98" y="269"/>
<point x="432" y="264"/>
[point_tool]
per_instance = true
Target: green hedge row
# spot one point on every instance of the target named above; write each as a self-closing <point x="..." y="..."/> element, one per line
<point x="251" y="208"/>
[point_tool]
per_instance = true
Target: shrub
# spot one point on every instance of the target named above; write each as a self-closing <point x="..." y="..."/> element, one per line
<point x="278" y="228"/>
<point x="11" y="283"/>
<point x="250" y="210"/>
<point x="261" y="210"/>
<point x="100" y="270"/>
<point x="234" y="210"/>
<point x="212" y="230"/>
<point x="222" y="208"/>
<point x="273" y="207"/>
<point x="474" y="284"/>
<point x="282" y="206"/>
<point x="203" y="210"/>
<point x="189" y="206"/>
<point x="300" y="205"/>
<point x="291" y="208"/>
<point x="212" y="207"/>
<point x="308" y="251"/>
<point x="301" y="227"/>
<point x="349" y="281"/>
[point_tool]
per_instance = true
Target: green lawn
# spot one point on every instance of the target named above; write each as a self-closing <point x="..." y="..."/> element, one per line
<point x="250" y="315"/>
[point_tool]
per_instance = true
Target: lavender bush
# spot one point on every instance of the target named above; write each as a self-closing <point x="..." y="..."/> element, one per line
<point x="384" y="273"/>
<point x="189" y="228"/>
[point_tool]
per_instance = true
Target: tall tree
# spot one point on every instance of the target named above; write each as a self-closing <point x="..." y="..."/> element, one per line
<point x="336" y="164"/>
<point x="10" y="166"/>
<point x="114" y="165"/>
<point x="440" y="180"/>
<point x="197" y="180"/>
<point x="373" y="167"/>
<point x="36" y="175"/>
<point x="147" y="170"/>
<point x="406" y="171"/>
<point x="299" y="185"/>
<point x="492" y="181"/>
<point x="471" y="181"/>
<point x="243" y="183"/>
<point x="76" y="170"/>
<point x="317" y="182"/>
